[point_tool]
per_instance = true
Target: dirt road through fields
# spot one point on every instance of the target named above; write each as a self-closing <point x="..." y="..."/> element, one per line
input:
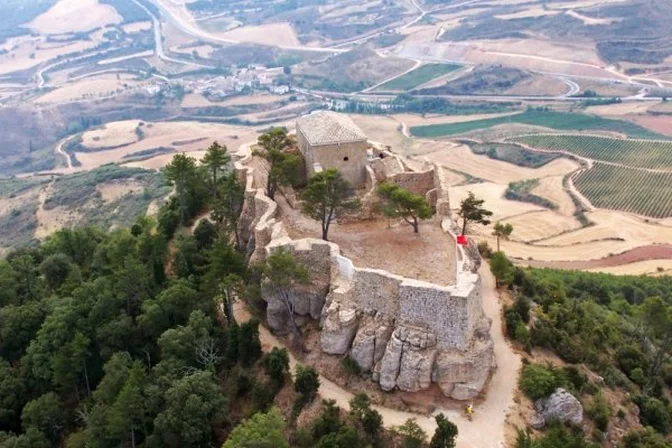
<point x="487" y="428"/>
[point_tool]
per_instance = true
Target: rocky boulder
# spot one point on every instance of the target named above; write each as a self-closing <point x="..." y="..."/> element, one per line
<point x="408" y="360"/>
<point x="463" y="375"/>
<point x="339" y="326"/>
<point x="559" y="406"/>
<point x="372" y="337"/>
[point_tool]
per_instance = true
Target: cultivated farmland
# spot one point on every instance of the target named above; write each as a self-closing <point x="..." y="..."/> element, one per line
<point x="635" y="153"/>
<point x="553" y="120"/>
<point x="628" y="189"/>
<point x="419" y="76"/>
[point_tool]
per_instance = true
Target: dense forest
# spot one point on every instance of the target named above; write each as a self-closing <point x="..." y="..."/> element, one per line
<point x="617" y="327"/>
<point x="128" y="337"/>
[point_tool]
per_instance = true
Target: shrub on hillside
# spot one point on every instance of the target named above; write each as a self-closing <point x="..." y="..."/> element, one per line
<point x="537" y="381"/>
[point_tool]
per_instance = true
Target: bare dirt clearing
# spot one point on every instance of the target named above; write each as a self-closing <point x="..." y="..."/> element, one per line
<point x="112" y="134"/>
<point x="91" y="88"/>
<point x="461" y="158"/>
<point x="428" y="255"/>
<point x="136" y="27"/>
<point x="591" y="20"/>
<point x="552" y="189"/>
<point x="493" y="194"/>
<point x="66" y="16"/>
<point x="271" y="34"/>
<point x="27" y="52"/>
<point x="622" y="109"/>
<point x="656" y="123"/>
<point x="183" y="136"/>
<point x="535" y="226"/>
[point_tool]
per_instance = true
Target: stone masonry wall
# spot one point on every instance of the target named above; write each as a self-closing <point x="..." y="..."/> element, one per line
<point x="407" y="333"/>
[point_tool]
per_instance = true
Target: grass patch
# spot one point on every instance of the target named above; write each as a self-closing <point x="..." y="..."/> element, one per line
<point x="419" y="76"/>
<point x="520" y="191"/>
<point x="549" y="119"/>
<point x="512" y="154"/>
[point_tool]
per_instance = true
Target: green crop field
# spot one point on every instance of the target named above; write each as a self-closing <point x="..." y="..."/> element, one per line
<point x="554" y="120"/>
<point x="627" y="189"/>
<point x="635" y="153"/>
<point x="419" y="76"/>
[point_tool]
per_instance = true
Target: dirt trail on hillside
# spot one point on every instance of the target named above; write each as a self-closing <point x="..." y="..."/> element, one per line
<point x="487" y="428"/>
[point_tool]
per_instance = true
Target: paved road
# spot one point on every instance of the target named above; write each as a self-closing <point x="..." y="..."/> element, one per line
<point x="487" y="428"/>
<point x="158" y="39"/>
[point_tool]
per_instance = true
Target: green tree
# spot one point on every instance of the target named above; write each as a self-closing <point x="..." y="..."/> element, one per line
<point x="128" y="413"/>
<point x="182" y="172"/>
<point x="657" y="316"/>
<point x="284" y="274"/>
<point x="471" y="210"/>
<point x="403" y="204"/>
<point x="55" y="270"/>
<point x="501" y="268"/>
<point x="12" y="395"/>
<point x="502" y="232"/>
<point x="228" y="206"/>
<point x="307" y="382"/>
<point x="249" y="346"/>
<point x="9" y="285"/>
<point x="412" y="435"/>
<point x="276" y="365"/>
<point x="262" y="430"/>
<point x="327" y="196"/>
<point x="46" y="414"/>
<point x="283" y="166"/>
<point x="194" y="405"/>
<point x="537" y="381"/>
<point x="216" y="161"/>
<point x="445" y="434"/>
<point x="205" y="234"/>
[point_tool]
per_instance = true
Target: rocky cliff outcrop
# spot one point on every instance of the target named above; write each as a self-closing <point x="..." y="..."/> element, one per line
<point x="406" y="333"/>
<point x="559" y="406"/>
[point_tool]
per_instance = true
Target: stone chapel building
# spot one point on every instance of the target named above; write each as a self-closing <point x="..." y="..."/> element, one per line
<point x="330" y="140"/>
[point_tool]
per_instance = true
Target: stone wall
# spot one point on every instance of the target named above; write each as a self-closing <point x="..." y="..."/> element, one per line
<point x="407" y="333"/>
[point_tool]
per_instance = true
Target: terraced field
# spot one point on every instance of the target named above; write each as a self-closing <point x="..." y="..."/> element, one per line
<point x="553" y="120"/>
<point x="627" y="189"/>
<point x="634" y="153"/>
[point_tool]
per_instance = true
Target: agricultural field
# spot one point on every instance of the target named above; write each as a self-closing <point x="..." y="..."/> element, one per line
<point x="418" y="77"/>
<point x="633" y="153"/>
<point x="513" y="154"/>
<point x="631" y="190"/>
<point x="548" y="119"/>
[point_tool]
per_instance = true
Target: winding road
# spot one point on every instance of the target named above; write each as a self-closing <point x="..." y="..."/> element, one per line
<point x="487" y="428"/>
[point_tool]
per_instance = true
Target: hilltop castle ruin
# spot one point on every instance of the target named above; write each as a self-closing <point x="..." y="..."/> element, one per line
<point x="405" y="332"/>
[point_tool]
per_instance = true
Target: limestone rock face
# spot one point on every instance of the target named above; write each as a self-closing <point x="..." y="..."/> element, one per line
<point x="408" y="360"/>
<point x="372" y="337"/>
<point x="415" y="371"/>
<point x="388" y="370"/>
<point x="561" y="406"/>
<point x="462" y="375"/>
<point x="339" y="325"/>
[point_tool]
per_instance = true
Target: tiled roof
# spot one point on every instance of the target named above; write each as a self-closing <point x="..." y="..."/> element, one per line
<point x="324" y="127"/>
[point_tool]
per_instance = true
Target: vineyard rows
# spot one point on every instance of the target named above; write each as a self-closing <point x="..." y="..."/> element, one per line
<point x="630" y="190"/>
<point x="636" y="153"/>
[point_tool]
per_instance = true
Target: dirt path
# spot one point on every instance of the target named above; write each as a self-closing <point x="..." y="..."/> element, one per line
<point x="652" y="252"/>
<point x="59" y="151"/>
<point x="487" y="429"/>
